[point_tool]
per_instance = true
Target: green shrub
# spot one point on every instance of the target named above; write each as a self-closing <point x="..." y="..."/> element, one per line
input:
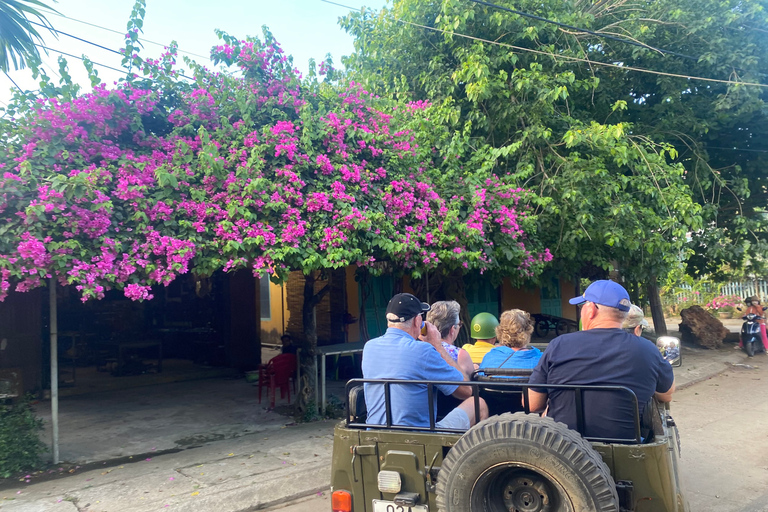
<point x="20" y="445"/>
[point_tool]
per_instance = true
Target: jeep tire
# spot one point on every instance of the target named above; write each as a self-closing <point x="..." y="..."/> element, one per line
<point x="523" y="463"/>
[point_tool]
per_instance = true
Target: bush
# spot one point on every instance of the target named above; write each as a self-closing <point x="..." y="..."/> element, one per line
<point x="20" y="445"/>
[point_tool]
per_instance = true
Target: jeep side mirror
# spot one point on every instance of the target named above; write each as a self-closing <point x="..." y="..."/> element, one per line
<point x="669" y="346"/>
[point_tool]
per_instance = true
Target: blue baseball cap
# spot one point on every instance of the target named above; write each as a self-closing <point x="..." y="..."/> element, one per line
<point x="607" y="293"/>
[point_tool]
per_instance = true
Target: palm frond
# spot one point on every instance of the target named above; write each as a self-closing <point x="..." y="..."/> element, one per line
<point x="18" y="38"/>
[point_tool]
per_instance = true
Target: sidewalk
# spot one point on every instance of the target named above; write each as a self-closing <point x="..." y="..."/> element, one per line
<point x="700" y="364"/>
<point x="247" y="473"/>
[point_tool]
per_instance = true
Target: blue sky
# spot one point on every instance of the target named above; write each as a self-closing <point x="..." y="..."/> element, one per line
<point x="305" y="29"/>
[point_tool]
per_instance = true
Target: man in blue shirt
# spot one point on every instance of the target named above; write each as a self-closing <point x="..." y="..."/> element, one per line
<point x="404" y="353"/>
<point x="602" y="354"/>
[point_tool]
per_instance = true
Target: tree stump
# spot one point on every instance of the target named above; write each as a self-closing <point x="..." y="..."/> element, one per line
<point x="700" y="327"/>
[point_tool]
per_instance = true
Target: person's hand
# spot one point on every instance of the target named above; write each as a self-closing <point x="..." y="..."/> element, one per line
<point x="433" y="335"/>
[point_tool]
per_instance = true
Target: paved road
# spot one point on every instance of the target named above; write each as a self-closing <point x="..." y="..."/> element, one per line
<point x="724" y="427"/>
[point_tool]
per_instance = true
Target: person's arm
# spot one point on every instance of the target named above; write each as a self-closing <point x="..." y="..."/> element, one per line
<point x="465" y="363"/>
<point x="433" y="338"/>
<point x="536" y="400"/>
<point x="667" y="395"/>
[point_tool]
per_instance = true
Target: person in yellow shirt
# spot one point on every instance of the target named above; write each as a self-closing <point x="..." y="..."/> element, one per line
<point x="482" y="329"/>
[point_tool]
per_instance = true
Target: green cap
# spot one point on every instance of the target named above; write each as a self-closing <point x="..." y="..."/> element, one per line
<point x="483" y="326"/>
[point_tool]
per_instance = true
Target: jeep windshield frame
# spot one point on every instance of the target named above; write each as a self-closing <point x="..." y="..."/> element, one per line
<point x="489" y="382"/>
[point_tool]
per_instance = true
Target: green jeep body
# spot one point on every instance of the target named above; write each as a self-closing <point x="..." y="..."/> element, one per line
<point x="522" y="453"/>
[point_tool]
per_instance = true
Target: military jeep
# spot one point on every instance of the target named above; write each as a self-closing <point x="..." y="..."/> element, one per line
<point x="514" y="461"/>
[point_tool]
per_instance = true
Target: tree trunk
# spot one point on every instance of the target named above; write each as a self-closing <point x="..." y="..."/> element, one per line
<point x="657" y="311"/>
<point x="306" y="398"/>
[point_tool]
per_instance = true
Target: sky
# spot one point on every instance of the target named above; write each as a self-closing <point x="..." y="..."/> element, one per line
<point x="305" y="29"/>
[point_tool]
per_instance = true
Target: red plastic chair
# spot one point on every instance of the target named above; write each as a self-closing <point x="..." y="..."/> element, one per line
<point x="275" y="374"/>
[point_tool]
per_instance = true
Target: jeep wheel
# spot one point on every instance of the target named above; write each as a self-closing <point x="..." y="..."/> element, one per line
<point x="523" y="463"/>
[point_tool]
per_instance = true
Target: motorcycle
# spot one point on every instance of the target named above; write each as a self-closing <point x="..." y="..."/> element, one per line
<point x="750" y="338"/>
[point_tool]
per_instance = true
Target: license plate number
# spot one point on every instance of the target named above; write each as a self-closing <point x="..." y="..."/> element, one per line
<point x="391" y="506"/>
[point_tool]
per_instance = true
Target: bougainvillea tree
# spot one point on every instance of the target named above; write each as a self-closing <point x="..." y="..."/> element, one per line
<point x="256" y="167"/>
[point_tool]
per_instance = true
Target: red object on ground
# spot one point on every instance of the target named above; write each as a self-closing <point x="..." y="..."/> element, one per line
<point x="275" y="374"/>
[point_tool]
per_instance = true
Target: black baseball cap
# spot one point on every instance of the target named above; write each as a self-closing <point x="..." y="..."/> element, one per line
<point x="405" y="306"/>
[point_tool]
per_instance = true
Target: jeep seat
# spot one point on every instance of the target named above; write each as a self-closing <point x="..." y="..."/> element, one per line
<point x="357" y="408"/>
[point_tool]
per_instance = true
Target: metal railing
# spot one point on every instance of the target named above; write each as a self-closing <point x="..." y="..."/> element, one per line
<point x="508" y="385"/>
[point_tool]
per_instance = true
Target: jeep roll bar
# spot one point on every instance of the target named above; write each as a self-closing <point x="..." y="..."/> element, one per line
<point x="507" y="385"/>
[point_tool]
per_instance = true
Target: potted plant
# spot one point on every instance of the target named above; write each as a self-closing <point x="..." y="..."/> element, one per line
<point x="723" y="306"/>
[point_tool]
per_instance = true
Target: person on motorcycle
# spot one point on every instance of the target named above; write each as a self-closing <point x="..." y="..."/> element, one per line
<point x="754" y="307"/>
<point x="482" y="329"/>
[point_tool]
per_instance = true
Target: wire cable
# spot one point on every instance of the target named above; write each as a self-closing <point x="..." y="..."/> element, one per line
<point x="79" y="57"/>
<point x="13" y="82"/>
<point x="78" y="38"/>
<point x="584" y="30"/>
<point x="96" y="63"/>
<point x="594" y="62"/>
<point x="123" y="34"/>
<point x="567" y="57"/>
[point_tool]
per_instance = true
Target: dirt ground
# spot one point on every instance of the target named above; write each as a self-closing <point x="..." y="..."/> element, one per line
<point x="724" y="429"/>
<point x="723" y="423"/>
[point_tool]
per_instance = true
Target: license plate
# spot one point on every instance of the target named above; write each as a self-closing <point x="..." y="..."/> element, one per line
<point x="391" y="506"/>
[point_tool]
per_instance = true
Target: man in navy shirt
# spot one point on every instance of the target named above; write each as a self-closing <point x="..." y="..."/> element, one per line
<point x="400" y="354"/>
<point x="602" y="354"/>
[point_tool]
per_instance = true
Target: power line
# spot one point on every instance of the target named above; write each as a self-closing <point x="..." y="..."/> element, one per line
<point x="13" y="82"/>
<point x="738" y="149"/>
<point x="584" y="30"/>
<point x="566" y="57"/>
<point x="123" y="34"/>
<point x="81" y="58"/>
<point x="78" y="38"/>
<point x="578" y="59"/>
<point x="96" y="63"/>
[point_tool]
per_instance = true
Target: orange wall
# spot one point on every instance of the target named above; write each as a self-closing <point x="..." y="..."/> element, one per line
<point x="527" y="299"/>
<point x="567" y="292"/>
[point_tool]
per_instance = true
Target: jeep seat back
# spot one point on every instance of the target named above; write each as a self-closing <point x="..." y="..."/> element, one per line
<point x="357" y="408"/>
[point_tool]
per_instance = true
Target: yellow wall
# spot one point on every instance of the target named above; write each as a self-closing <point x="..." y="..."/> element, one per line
<point x="527" y="299"/>
<point x="272" y="329"/>
<point x="567" y="292"/>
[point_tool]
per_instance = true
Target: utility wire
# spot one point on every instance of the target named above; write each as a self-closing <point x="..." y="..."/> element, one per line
<point x="123" y="34"/>
<point x="96" y="63"/>
<point x="578" y="59"/>
<point x="13" y="82"/>
<point x="81" y="58"/>
<point x="584" y="30"/>
<point x="738" y="149"/>
<point x="566" y="57"/>
<point x="78" y="38"/>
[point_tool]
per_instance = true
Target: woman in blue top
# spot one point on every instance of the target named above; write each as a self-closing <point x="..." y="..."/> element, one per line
<point x="514" y="335"/>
